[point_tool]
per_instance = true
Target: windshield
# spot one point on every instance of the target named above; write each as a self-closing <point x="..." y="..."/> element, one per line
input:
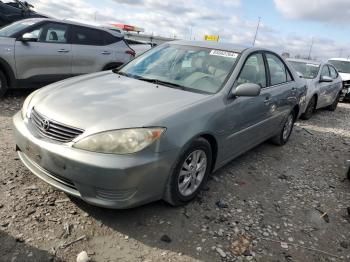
<point x="10" y="30"/>
<point x="307" y="70"/>
<point x="186" y="67"/>
<point x="341" y="66"/>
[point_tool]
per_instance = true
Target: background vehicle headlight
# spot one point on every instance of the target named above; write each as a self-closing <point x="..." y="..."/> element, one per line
<point x="123" y="141"/>
<point x="24" y="110"/>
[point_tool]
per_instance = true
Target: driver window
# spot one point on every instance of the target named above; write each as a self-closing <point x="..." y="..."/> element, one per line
<point x="253" y="71"/>
<point x="51" y="33"/>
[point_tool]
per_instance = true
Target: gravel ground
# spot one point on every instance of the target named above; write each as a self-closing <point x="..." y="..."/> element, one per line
<point x="271" y="204"/>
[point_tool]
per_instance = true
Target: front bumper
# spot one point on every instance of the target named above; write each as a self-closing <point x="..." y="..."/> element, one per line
<point x="106" y="180"/>
<point x="346" y="90"/>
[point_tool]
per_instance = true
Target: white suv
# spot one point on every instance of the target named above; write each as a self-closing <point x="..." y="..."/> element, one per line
<point x="36" y="52"/>
<point x="343" y="67"/>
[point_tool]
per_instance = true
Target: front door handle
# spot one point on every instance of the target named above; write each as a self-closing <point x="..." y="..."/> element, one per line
<point x="106" y="53"/>
<point x="63" y="51"/>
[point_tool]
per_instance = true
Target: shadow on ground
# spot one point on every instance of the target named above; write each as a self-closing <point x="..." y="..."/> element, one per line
<point x="14" y="250"/>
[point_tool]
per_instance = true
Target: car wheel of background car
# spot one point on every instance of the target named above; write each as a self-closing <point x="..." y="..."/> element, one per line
<point x="3" y="84"/>
<point x="189" y="174"/>
<point x="349" y="173"/>
<point x="283" y="137"/>
<point x="112" y="66"/>
<point x="310" y="109"/>
<point x="334" y="106"/>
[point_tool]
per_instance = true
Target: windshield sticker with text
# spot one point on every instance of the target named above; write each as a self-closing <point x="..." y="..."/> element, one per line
<point x="224" y="53"/>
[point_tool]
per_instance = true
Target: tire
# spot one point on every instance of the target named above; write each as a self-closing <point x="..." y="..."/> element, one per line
<point x="283" y="136"/>
<point x="3" y="84"/>
<point x="111" y="66"/>
<point x="310" y="109"/>
<point x="334" y="105"/>
<point x="182" y="187"/>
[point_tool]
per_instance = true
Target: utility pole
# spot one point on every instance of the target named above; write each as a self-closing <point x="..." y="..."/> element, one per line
<point x="256" y="32"/>
<point x="312" y="43"/>
<point x="191" y="32"/>
<point x="95" y="16"/>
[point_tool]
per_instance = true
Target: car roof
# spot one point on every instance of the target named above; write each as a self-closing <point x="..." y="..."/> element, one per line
<point x="304" y="61"/>
<point x="115" y="33"/>
<point x="340" y="59"/>
<point x="213" y="45"/>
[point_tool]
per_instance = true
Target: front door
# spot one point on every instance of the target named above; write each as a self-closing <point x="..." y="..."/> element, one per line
<point x="48" y="59"/>
<point x="325" y="89"/>
<point x="248" y="117"/>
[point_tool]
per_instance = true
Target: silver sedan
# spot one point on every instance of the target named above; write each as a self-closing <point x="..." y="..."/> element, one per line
<point x="324" y="85"/>
<point x="157" y="127"/>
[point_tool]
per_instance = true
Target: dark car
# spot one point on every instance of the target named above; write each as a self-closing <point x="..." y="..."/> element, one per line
<point x="16" y="10"/>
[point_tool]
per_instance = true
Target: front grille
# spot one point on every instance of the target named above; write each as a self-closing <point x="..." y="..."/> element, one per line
<point x="53" y="130"/>
<point x="346" y="84"/>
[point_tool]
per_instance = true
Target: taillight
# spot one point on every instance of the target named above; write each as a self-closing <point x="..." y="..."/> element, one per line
<point x="131" y="52"/>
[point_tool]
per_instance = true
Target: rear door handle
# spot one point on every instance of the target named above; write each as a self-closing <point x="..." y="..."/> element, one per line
<point x="63" y="51"/>
<point x="106" y="53"/>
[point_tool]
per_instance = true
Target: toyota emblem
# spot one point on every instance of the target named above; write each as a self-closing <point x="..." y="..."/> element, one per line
<point x="45" y="124"/>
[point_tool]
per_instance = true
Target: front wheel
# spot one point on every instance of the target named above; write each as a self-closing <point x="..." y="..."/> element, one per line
<point x="190" y="173"/>
<point x="3" y="84"/>
<point x="310" y="109"/>
<point x="334" y="105"/>
<point x="283" y="136"/>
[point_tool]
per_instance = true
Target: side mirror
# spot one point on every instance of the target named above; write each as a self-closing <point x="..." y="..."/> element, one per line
<point x="300" y="74"/>
<point x="326" y="79"/>
<point x="29" y="37"/>
<point x="248" y="89"/>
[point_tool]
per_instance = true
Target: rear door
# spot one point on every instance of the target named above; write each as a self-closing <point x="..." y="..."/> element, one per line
<point x="282" y="92"/>
<point x="337" y="83"/>
<point x="93" y="49"/>
<point x="49" y="58"/>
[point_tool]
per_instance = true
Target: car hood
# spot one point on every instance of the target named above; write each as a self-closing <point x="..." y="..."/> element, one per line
<point x="345" y="76"/>
<point x="107" y="101"/>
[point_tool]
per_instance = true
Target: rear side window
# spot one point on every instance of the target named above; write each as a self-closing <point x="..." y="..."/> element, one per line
<point x="325" y="71"/>
<point x="253" y="71"/>
<point x="87" y="36"/>
<point x="110" y="39"/>
<point x="279" y="73"/>
<point x="334" y="73"/>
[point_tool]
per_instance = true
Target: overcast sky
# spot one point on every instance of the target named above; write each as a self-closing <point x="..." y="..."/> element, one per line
<point x="287" y="25"/>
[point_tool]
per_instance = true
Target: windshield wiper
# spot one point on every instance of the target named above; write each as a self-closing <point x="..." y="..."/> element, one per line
<point x="160" y="82"/>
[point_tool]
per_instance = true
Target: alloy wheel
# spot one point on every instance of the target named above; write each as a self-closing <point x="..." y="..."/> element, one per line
<point x="288" y="126"/>
<point x="192" y="172"/>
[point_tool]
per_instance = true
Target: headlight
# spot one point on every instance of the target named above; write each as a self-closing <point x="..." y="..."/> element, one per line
<point x="124" y="141"/>
<point x="26" y="103"/>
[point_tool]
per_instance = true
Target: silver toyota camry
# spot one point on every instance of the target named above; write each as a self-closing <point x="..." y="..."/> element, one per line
<point x="324" y="85"/>
<point x="157" y="127"/>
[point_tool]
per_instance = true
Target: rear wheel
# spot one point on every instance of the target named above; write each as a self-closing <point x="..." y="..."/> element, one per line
<point x="334" y="105"/>
<point x="3" y="84"/>
<point x="283" y="136"/>
<point x="190" y="173"/>
<point x="310" y="109"/>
